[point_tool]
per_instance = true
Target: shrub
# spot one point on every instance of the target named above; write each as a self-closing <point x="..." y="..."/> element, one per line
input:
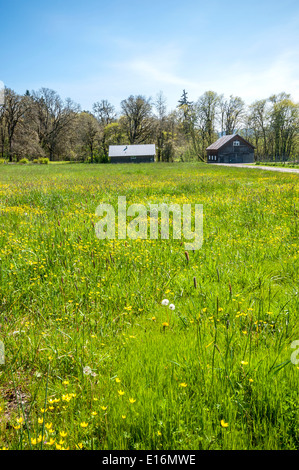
<point x="43" y="161"/>
<point x="23" y="161"/>
<point x="2" y="160"/>
<point x="35" y="161"/>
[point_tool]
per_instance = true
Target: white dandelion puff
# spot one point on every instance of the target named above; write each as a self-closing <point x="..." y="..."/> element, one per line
<point x="86" y="370"/>
<point x="171" y="306"/>
<point x="165" y="302"/>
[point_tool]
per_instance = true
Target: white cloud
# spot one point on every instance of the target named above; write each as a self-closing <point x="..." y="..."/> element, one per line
<point x="165" y="69"/>
<point x="260" y="82"/>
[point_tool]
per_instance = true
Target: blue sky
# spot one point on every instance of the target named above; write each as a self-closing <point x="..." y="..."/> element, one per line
<point x="92" y="50"/>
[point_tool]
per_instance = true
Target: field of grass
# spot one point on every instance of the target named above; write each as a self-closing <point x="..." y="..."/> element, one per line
<point x="93" y="360"/>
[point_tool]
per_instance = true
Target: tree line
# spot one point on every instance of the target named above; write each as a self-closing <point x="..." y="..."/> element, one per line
<point x="41" y="124"/>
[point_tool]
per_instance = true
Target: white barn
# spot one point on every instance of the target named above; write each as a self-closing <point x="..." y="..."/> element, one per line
<point x="141" y="153"/>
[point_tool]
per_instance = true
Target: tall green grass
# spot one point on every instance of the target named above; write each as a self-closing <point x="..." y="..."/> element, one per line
<point x="90" y="352"/>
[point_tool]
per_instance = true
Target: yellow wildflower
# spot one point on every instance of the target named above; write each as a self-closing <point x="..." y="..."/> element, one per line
<point x="51" y="442"/>
<point x="224" y="424"/>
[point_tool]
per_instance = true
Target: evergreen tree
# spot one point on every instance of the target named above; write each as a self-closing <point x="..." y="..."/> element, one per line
<point x="184" y="100"/>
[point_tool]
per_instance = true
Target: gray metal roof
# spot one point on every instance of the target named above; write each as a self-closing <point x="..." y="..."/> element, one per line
<point x="223" y="140"/>
<point x="132" y="150"/>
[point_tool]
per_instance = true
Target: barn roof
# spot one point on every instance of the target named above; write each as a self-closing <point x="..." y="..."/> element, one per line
<point x="224" y="140"/>
<point x="132" y="150"/>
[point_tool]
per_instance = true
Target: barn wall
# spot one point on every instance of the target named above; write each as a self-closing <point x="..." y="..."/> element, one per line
<point x="236" y="154"/>
<point x="128" y="159"/>
<point x="233" y="154"/>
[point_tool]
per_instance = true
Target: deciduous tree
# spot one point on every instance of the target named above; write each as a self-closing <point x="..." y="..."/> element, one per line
<point x="53" y="118"/>
<point x="137" y="120"/>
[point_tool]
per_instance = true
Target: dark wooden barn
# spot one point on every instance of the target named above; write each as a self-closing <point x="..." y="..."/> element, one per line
<point x="230" y="149"/>
<point x="144" y="153"/>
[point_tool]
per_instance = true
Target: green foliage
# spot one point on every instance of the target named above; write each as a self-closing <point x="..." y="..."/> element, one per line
<point x="41" y="161"/>
<point x="23" y="161"/>
<point x="41" y="124"/>
<point x="97" y="158"/>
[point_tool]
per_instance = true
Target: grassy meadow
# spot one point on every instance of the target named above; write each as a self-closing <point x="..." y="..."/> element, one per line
<point x="93" y="360"/>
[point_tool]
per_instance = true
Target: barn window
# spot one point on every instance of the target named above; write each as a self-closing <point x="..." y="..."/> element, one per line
<point x="236" y="143"/>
